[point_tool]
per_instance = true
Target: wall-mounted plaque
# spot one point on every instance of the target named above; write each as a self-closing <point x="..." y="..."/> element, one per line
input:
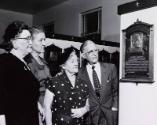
<point x="137" y="55"/>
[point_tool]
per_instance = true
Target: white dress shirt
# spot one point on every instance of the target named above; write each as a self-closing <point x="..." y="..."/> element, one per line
<point x="90" y="71"/>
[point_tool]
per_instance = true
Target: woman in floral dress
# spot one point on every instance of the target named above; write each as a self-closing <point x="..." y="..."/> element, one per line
<point x="66" y="98"/>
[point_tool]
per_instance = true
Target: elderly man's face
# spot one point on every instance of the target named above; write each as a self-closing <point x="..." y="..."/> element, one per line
<point x="91" y="53"/>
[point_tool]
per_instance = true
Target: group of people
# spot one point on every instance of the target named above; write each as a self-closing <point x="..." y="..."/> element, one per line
<point x="75" y="96"/>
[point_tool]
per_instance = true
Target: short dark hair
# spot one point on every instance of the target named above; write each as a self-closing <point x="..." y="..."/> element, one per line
<point x="65" y="55"/>
<point x="12" y="31"/>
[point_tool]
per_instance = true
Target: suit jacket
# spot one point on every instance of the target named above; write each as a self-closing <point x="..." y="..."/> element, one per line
<point x="108" y="92"/>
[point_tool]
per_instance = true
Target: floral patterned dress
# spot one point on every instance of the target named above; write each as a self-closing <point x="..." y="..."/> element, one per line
<point x="67" y="97"/>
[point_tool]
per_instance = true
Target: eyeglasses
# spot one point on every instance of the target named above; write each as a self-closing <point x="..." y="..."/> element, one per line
<point x="92" y="51"/>
<point x="27" y="38"/>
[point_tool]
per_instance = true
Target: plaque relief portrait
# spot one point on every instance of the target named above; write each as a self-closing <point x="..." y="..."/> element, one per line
<point x="138" y="53"/>
<point x="138" y="43"/>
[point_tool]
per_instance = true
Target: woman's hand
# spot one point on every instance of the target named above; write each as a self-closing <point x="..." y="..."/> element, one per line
<point x="41" y="111"/>
<point x="78" y="112"/>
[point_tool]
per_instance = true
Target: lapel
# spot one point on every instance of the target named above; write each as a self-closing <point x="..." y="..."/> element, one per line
<point x="103" y="73"/>
<point x="104" y="79"/>
<point x="85" y="76"/>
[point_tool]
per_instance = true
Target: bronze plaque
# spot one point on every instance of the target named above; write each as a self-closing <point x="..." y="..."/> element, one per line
<point x="137" y="54"/>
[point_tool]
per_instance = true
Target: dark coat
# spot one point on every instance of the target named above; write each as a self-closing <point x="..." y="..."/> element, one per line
<point x="108" y="94"/>
<point x="18" y="92"/>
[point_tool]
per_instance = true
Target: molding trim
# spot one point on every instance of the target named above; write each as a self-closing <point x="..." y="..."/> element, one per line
<point x="135" y="6"/>
<point x="82" y="39"/>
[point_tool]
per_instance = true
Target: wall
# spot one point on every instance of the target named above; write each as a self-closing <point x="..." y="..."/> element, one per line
<point x="67" y="17"/>
<point x="65" y="44"/>
<point x="8" y="16"/>
<point x="138" y="103"/>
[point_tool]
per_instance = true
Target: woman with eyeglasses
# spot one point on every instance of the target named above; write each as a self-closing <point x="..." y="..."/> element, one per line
<point x="38" y="65"/>
<point x="66" y="97"/>
<point x="19" y="89"/>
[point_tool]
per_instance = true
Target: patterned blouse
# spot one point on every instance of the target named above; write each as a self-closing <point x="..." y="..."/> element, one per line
<point x="67" y="97"/>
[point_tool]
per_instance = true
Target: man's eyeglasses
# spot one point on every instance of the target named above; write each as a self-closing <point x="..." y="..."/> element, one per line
<point x="27" y="38"/>
<point x="92" y="51"/>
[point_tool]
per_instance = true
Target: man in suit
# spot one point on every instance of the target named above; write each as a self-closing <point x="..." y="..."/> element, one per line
<point x="103" y="85"/>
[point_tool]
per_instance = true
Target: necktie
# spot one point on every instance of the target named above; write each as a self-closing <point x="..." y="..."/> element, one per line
<point x="96" y="82"/>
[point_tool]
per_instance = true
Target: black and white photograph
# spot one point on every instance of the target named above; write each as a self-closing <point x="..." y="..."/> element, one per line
<point x="78" y="62"/>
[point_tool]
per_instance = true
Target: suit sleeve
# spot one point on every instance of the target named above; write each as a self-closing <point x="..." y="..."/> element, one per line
<point x="114" y="86"/>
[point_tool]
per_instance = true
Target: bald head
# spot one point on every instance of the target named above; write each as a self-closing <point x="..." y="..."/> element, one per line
<point x="90" y="51"/>
<point x="85" y="44"/>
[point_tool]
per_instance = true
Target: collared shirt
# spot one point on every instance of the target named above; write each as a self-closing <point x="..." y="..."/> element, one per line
<point x="90" y="71"/>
